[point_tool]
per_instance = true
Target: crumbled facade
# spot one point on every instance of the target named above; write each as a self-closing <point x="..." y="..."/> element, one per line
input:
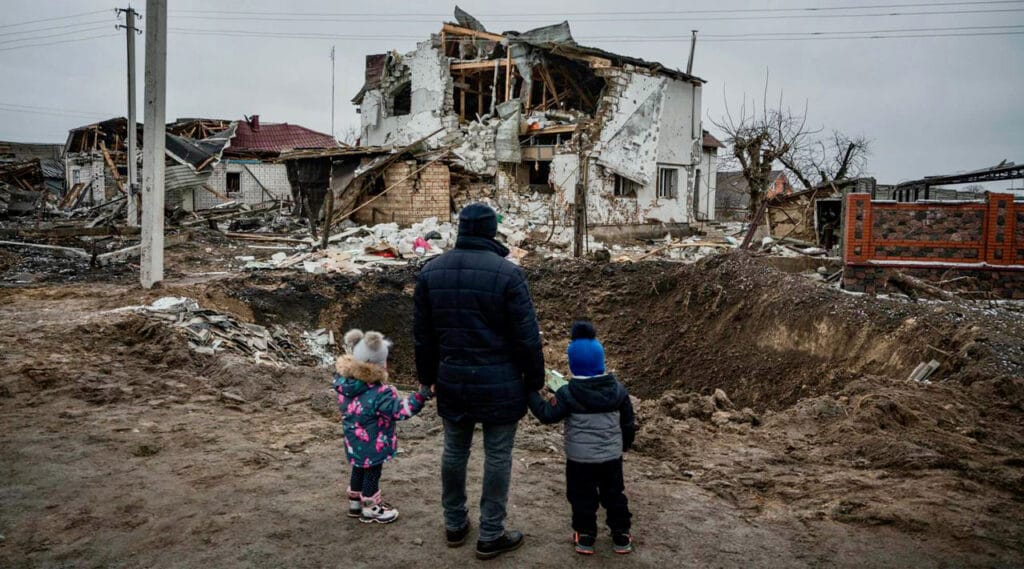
<point x="534" y="113"/>
<point x="250" y="172"/>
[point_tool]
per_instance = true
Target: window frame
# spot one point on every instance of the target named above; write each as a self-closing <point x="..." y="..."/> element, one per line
<point x="625" y="188"/>
<point x="227" y="184"/>
<point x="673" y="194"/>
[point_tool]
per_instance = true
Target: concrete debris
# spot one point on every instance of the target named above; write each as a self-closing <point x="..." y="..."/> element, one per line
<point x="210" y="332"/>
<point x="357" y="249"/>
<point x="319" y="344"/>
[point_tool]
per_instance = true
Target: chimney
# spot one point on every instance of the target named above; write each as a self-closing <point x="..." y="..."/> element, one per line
<point x="254" y="123"/>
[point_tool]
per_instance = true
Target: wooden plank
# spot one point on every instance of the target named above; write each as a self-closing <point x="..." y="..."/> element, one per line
<point x="508" y="75"/>
<point x="549" y="82"/>
<point x="487" y="65"/>
<point x="557" y="129"/>
<point x="219" y="195"/>
<point x="112" y="167"/>
<point x="460" y="31"/>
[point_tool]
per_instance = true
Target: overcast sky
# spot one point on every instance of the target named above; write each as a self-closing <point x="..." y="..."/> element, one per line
<point x="929" y="105"/>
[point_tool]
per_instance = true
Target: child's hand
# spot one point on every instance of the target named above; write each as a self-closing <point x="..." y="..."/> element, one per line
<point x="427" y="392"/>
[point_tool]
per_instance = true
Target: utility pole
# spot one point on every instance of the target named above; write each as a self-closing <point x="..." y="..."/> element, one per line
<point x="133" y="175"/>
<point x="152" y="254"/>
<point x="332" y="92"/>
<point x="580" y="199"/>
<point x="693" y="47"/>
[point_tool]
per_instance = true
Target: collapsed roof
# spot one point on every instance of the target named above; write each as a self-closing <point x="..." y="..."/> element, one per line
<point x="554" y="40"/>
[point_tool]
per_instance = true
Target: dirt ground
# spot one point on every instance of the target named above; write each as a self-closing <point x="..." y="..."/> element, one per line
<point x="119" y="448"/>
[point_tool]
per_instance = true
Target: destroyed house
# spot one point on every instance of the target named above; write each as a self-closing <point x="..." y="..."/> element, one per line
<point x="249" y="171"/>
<point x="533" y="113"/>
<point x="96" y="159"/>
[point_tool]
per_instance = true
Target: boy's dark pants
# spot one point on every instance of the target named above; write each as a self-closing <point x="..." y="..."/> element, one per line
<point x="591" y="484"/>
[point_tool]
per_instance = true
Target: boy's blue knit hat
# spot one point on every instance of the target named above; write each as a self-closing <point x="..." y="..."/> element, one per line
<point x="586" y="354"/>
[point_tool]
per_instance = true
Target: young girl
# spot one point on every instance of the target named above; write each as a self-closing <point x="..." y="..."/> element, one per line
<point x="369" y="408"/>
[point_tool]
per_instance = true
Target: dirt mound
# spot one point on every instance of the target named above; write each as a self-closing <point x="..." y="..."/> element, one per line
<point x="767" y="338"/>
<point x="732" y="322"/>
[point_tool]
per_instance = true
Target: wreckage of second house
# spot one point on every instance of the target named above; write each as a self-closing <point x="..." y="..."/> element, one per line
<point x="529" y="115"/>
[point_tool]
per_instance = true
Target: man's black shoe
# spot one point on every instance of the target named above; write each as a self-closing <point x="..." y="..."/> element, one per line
<point x="509" y="541"/>
<point x="457" y="537"/>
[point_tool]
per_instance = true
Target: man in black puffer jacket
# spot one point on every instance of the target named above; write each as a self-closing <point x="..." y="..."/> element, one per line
<point x="478" y="345"/>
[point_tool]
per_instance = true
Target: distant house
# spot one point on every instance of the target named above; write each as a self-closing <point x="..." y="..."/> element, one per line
<point x="247" y="172"/>
<point x="49" y="156"/>
<point x="705" y="179"/>
<point x="732" y="198"/>
<point x="85" y="165"/>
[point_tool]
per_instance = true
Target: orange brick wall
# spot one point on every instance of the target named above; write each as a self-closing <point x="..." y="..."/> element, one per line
<point x="412" y="197"/>
<point x="983" y="242"/>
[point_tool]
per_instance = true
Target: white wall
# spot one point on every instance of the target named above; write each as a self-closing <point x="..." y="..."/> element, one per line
<point x="430" y="78"/>
<point x="89" y="168"/>
<point x="652" y="126"/>
<point x="708" y="184"/>
<point x="273" y="176"/>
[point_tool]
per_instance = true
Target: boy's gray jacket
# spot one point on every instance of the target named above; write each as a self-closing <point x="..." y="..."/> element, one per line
<point x="599" y="420"/>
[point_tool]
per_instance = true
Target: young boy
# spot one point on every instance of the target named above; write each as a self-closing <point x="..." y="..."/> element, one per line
<point x="599" y="427"/>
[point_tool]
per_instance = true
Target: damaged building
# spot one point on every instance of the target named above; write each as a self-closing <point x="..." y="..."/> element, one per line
<point x="529" y="115"/>
<point x="249" y="171"/>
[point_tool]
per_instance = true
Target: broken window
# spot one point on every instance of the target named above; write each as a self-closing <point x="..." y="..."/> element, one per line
<point x="377" y="187"/>
<point x="668" y="183"/>
<point x="234" y="183"/>
<point x="625" y="188"/>
<point x="540" y="172"/>
<point x="696" y="191"/>
<point x="401" y="103"/>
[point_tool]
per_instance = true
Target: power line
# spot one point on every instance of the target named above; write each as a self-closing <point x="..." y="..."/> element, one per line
<point x="56" y="35"/>
<point x="869" y="34"/>
<point x="865" y="37"/>
<point x="64" y="27"/>
<point x="68" y="17"/>
<point x="609" y="13"/>
<point x="280" y="19"/>
<point x="57" y="109"/>
<point x="58" y="42"/>
<point x="49" y="114"/>
<point x="706" y="36"/>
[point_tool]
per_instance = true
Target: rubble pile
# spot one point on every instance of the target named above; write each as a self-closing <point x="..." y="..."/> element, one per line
<point x="210" y="332"/>
<point x="360" y="248"/>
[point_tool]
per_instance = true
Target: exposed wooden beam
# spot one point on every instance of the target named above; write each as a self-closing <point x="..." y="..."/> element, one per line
<point x="487" y="64"/>
<point x="460" y="31"/>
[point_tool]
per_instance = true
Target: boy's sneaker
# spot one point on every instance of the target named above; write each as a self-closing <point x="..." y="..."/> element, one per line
<point x="622" y="543"/>
<point x="457" y="537"/>
<point x="509" y="541"/>
<point x="355" y="504"/>
<point x="584" y="543"/>
<point x="375" y="511"/>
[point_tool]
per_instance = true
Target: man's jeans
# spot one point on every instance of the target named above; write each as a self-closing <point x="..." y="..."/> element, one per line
<point x="498" y="441"/>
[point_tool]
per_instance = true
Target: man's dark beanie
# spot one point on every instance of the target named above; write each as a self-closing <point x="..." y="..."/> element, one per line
<point x="478" y="220"/>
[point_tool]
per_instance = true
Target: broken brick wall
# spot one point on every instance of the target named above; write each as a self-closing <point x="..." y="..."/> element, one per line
<point x="983" y="241"/>
<point x="413" y="196"/>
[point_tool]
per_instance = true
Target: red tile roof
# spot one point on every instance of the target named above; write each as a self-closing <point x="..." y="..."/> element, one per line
<point x="271" y="137"/>
<point x="710" y="141"/>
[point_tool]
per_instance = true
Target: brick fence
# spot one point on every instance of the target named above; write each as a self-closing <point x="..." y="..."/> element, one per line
<point x="981" y="241"/>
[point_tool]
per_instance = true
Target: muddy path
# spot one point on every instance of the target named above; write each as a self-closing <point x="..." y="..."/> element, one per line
<point x="119" y="449"/>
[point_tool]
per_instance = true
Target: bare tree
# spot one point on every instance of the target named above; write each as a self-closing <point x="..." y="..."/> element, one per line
<point x="349" y="136"/>
<point x="828" y="159"/>
<point x="758" y="139"/>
